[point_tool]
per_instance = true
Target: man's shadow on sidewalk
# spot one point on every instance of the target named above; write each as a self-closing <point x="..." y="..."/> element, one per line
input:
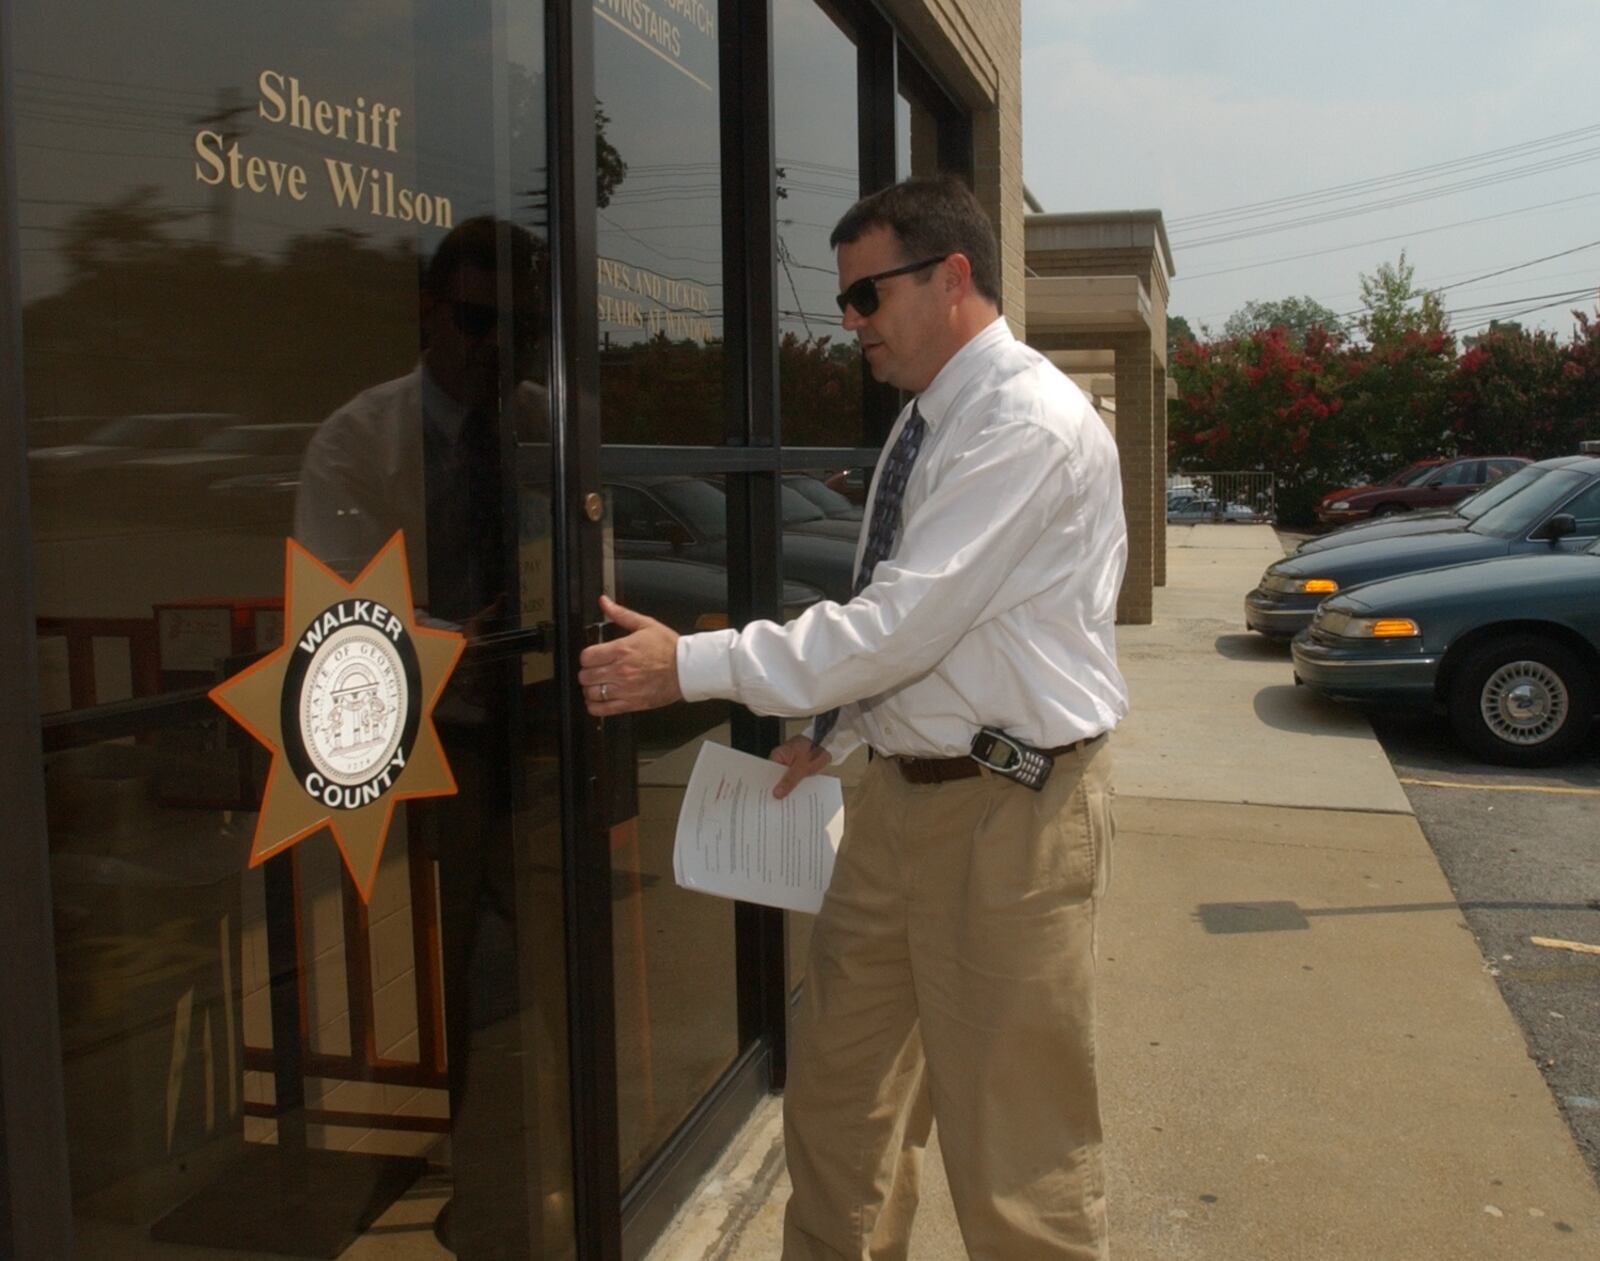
<point x="1224" y="918"/>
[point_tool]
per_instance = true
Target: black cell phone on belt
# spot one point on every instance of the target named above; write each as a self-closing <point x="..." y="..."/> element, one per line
<point x="1005" y="755"/>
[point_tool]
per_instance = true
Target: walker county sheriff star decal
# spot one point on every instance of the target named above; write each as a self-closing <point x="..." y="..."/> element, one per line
<point x="346" y="707"/>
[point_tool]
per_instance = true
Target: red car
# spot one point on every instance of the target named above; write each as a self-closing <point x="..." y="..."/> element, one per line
<point x="1425" y="485"/>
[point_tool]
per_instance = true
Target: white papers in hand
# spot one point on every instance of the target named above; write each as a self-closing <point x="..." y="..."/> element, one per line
<point x="736" y="840"/>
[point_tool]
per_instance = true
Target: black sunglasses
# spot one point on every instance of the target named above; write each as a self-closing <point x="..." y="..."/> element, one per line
<point x="475" y="319"/>
<point x="863" y="294"/>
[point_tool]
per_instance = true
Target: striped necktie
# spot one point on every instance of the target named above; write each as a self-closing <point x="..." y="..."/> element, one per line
<point x="885" y="525"/>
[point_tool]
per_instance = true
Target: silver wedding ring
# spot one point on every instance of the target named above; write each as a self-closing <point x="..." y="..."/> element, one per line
<point x="603" y="687"/>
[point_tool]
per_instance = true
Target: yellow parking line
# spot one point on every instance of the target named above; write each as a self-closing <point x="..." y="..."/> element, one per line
<point x="1555" y="943"/>
<point x="1555" y="789"/>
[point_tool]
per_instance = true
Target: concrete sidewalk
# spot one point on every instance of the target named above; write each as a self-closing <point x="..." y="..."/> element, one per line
<point x="1304" y="1055"/>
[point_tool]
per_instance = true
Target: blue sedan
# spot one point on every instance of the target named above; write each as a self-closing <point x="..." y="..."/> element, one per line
<point x="1509" y="649"/>
<point x="1557" y="512"/>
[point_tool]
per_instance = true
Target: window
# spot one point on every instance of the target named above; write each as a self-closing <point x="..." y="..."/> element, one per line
<point x="1585" y="509"/>
<point x="816" y="148"/>
<point x="281" y="225"/>
<point x="1461" y="473"/>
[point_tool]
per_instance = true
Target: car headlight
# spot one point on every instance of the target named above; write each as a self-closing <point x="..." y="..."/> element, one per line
<point x="1341" y="623"/>
<point x="1290" y="585"/>
<point x="1339" y="505"/>
<point x="1382" y="628"/>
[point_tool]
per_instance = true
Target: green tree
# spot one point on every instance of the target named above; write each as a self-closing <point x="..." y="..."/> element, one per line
<point x="1395" y="401"/>
<point x="1257" y="402"/>
<point x="1178" y="332"/>
<point x="1506" y="396"/>
<point x="1579" y="397"/>
<point x="1296" y="316"/>
<point x="1395" y="306"/>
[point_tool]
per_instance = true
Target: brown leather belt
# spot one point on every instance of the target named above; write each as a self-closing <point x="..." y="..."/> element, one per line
<point x="939" y="770"/>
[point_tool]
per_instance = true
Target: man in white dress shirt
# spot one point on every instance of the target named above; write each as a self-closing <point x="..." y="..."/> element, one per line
<point x="951" y="974"/>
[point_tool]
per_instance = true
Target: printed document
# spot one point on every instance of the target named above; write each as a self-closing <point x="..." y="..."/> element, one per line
<point x="736" y="840"/>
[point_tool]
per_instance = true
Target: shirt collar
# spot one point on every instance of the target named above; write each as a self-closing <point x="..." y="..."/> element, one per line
<point x="959" y="370"/>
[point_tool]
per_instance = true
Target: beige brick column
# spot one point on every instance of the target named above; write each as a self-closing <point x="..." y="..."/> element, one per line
<point x="1135" y="373"/>
<point x="1159" y="381"/>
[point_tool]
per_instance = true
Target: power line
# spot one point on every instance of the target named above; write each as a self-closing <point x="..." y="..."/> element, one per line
<point x="1384" y="240"/>
<point x="1342" y="191"/>
<point x="1563" y="296"/>
<point x="1511" y="315"/>
<point x="1533" y="262"/>
<point x="1350" y="212"/>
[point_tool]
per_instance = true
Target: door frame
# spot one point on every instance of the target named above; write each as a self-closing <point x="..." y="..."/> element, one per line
<point x="35" y="1199"/>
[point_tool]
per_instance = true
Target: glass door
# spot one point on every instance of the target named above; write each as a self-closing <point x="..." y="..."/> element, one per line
<point x="659" y="277"/>
<point x="285" y="286"/>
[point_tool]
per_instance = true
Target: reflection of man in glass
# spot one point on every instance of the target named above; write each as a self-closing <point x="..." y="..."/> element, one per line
<point x="432" y="453"/>
<point x="418" y="453"/>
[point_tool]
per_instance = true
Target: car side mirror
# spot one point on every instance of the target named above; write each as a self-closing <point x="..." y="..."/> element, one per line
<point x="1559" y="526"/>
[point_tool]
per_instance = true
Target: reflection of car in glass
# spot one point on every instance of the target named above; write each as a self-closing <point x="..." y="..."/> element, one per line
<point x="128" y="437"/>
<point x="802" y="515"/>
<point x="691" y="596"/>
<point x="61" y="431"/>
<point x="1560" y="511"/>
<point x="1435" y="520"/>
<point x="832" y="503"/>
<point x="687" y="518"/>
<point x="852" y="483"/>
<point x="1417" y="488"/>
<point x="238" y="450"/>
<point x="1193" y="510"/>
<point x="1508" y="648"/>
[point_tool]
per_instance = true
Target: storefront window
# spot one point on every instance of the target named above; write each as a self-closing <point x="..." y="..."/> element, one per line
<point x="815" y="140"/>
<point x="283" y="278"/>
<point x="929" y="135"/>
<point x="660" y="222"/>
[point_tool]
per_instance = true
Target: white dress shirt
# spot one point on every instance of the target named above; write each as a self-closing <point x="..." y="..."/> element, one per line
<point x="996" y="607"/>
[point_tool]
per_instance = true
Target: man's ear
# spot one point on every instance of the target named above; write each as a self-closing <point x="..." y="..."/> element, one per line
<point x="959" y="277"/>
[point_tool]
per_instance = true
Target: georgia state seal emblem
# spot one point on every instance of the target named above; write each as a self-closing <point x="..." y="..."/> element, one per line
<point x="345" y="706"/>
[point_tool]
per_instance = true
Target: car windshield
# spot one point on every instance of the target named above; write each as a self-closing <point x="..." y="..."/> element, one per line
<point x="130" y="431"/>
<point x="1514" y="517"/>
<point x="825" y="497"/>
<point x="698" y="502"/>
<point x="247" y="440"/>
<point x="1413" y="475"/>
<point x="238" y="441"/>
<point x="1496" y="493"/>
<point x="797" y="509"/>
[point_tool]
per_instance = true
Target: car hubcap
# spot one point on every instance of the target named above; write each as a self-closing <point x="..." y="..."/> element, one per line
<point x="1524" y="702"/>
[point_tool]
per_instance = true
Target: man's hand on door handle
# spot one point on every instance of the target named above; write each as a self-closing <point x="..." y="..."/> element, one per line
<point x="637" y="671"/>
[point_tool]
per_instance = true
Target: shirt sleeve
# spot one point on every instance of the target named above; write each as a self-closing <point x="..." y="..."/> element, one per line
<point x="989" y="506"/>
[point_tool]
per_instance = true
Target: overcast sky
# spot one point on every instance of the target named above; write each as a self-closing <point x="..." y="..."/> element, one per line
<point x="1194" y="109"/>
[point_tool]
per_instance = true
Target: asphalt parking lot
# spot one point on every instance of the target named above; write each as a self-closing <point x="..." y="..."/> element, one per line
<point x="1521" y="849"/>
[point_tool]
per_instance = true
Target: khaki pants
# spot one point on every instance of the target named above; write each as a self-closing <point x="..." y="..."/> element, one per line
<point x="951" y="977"/>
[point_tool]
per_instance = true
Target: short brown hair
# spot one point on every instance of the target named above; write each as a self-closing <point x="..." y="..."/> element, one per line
<point x="929" y="217"/>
